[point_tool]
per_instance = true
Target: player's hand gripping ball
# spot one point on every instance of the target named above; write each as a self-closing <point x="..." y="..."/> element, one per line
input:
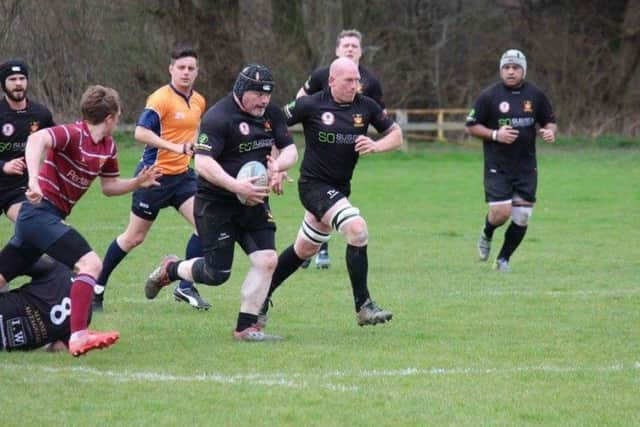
<point x="253" y="169"/>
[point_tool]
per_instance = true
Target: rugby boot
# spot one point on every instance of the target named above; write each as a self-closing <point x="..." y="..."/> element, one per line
<point x="92" y="340"/>
<point x="371" y="314"/>
<point x="484" y="247"/>
<point x="322" y="260"/>
<point x="192" y="297"/>
<point x="159" y="277"/>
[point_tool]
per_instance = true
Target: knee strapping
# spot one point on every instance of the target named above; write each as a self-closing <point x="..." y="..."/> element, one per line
<point x="207" y="276"/>
<point x="521" y="214"/>
<point x="314" y="236"/>
<point x="343" y="216"/>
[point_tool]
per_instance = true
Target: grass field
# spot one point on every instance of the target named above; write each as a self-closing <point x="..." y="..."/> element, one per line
<point x="555" y="342"/>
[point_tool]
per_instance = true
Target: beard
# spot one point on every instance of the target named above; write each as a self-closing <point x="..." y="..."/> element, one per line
<point x="17" y="95"/>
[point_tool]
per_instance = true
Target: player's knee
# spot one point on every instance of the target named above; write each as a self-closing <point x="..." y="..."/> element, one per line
<point x="356" y="232"/>
<point x="89" y="264"/>
<point x="309" y="240"/>
<point x="267" y="261"/>
<point x="344" y="217"/>
<point x="521" y="214"/>
<point x="131" y="240"/>
<point x="205" y="274"/>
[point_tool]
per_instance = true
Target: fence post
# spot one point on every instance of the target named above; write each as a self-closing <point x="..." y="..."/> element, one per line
<point x="402" y="118"/>
<point x="440" y="122"/>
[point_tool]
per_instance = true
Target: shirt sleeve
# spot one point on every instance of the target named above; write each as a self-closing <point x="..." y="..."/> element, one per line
<point x="315" y="82"/>
<point x="379" y="119"/>
<point x="545" y="114"/>
<point x="60" y="136"/>
<point x="212" y="137"/>
<point x="280" y="129"/>
<point x="295" y="111"/>
<point x="152" y="114"/>
<point x="479" y="113"/>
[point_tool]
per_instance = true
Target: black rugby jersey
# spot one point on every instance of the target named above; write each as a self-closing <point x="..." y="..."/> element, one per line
<point x="15" y="128"/>
<point x="521" y="108"/>
<point x="37" y="313"/>
<point x="369" y="85"/>
<point x="233" y="137"/>
<point x="330" y="132"/>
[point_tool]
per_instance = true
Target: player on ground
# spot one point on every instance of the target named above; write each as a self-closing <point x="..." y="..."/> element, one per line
<point x="76" y="154"/>
<point x="505" y="116"/>
<point x="335" y="124"/>
<point x="348" y="45"/>
<point x="241" y="127"/>
<point x="168" y="126"/>
<point x="36" y="314"/>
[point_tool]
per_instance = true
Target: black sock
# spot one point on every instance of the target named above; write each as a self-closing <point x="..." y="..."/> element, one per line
<point x="172" y="271"/>
<point x="288" y="263"/>
<point x="245" y="320"/>
<point x="512" y="238"/>
<point x="325" y="247"/>
<point x="489" y="228"/>
<point x="358" y="266"/>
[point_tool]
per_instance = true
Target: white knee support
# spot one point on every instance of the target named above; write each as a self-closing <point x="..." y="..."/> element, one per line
<point x="343" y="216"/>
<point x="312" y="235"/>
<point x="521" y="214"/>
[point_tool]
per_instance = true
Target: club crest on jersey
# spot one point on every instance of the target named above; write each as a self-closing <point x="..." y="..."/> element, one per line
<point x="267" y="126"/>
<point x="504" y="107"/>
<point x="358" y="121"/>
<point x="244" y="128"/>
<point x="527" y="106"/>
<point x="34" y="126"/>
<point x="328" y="118"/>
<point x="8" y="129"/>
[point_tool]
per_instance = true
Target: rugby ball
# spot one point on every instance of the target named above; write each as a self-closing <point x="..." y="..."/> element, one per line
<point x="251" y="169"/>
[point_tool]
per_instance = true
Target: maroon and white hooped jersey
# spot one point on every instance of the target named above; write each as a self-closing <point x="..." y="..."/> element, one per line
<point x="73" y="162"/>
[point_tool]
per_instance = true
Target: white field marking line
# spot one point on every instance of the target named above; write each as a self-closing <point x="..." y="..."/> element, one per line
<point x="555" y="294"/>
<point x="306" y="380"/>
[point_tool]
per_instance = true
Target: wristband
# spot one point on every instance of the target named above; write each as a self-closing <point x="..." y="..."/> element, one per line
<point x="494" y="135"/>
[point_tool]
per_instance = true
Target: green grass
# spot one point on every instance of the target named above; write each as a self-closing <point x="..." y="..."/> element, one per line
<point x="555" y="342"/>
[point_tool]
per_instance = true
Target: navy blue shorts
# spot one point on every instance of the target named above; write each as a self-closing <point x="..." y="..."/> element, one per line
<point x="318" y="197"/>
<point x="39" y="225"/>
<point x="11" y="197"/>
<point x="173" y="190"/>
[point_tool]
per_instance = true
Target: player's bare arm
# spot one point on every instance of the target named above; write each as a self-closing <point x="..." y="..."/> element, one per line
<point x="146" y="136"/>
<point x="548" y="132"/>
<point x="208" y="168"/>
<point x="37" y="144"/>
<point x="278" y="166"/>
<point x="147" y="177"/>
<point x="391" y="140"/>
<point x="504" y="135"/>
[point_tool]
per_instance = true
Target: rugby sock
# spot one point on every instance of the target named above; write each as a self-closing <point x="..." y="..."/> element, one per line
<point x="114" y="255"/>
<point x="489" y="228"/>
<point x="512" y="238"/>
<point x="81" y="296"/>
<point x="358" y="266"/>
<point x="245" y="320"/>
<point x="194" y="250"/>
<point x="325" y="247"/>
<point x="288" y="263"/>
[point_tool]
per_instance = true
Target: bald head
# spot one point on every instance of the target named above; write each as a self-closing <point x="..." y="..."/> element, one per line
<point x="344" y="79"/>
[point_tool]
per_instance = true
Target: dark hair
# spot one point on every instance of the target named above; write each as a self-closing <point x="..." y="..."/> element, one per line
<point x="183" y="51"/>
<point x="98" y="102"/>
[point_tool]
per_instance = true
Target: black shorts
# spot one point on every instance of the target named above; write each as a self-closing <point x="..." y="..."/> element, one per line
<point x="318" y="197"/>
<point x="11" y="197"/>
<point x="173" y="190"/>
<point x="222" y="223"/>
<point x="500" y="186"/>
